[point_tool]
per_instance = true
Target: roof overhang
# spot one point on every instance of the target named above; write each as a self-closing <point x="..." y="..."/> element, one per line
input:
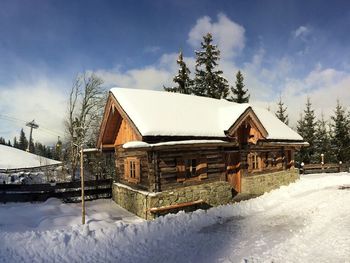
<point x="178" y="144"/>
<point x="284" y="143"/>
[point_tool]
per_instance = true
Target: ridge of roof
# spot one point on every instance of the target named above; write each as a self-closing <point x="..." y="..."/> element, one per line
<point x="162" y="113"/>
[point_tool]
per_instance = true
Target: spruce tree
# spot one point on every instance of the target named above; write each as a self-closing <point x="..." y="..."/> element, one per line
<point x="9" y="143"/>
<point x="282" y="112"/>
<point x="15" y="143"/>
<point x="240" y="95"/>
<point x="340" y="133"/>
<point x="322" y="142"/>
<point x="57" y="154"/>
<point x="209" y="81"/>
<point x="2" y="141"/>
<point x="184" y="83"/>
<point x="306" y="128"/>
<point x="23" y="142"/>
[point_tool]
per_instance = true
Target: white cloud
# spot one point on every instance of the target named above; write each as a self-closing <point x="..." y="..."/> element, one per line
<point x="226" y="33"/>
<point x="42" y="100"/>
<point x="145" y="78"/>
<point x="301" y="31"/>
<point x="323" y="86"/>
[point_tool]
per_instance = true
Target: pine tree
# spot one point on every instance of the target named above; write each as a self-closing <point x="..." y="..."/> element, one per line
<point x="57" y="154"/>
<point x="9" y="143"/>
<point x="23" y="142"/>
<point x="240" y="95"/>
<point x="306" y="128"/>
<point x="322" y="142"/>
<point x="184" y="83"/>
<point x="282" y="112"/>
<point x="340" y="134"/>
<point x="2" y="141"/>
<point x="15" y="143"/>
<point x="208" y="81"/>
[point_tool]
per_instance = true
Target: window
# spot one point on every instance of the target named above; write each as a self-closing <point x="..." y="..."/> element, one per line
<point x="191" y="169"/>
<point x="191" y="164"/>
<point x="254" y="162"/>
<point x="132" y="169"/>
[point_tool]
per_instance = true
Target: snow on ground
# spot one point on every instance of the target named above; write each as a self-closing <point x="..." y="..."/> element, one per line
<point x="308" y="221"/>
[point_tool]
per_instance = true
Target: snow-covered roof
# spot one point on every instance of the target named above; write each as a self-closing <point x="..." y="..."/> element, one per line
<point x="12" y="158"/>
<point x="160" y="113"/>
<point x="139" y="144"/>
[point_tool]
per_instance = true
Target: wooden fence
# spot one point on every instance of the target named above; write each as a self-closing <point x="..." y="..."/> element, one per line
<point x="318" y="168"/>
<point x="67" y="192"/>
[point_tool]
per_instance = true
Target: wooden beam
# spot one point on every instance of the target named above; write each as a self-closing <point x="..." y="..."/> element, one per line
<point x="125" y="116"/>
<point x="248" y="113"/>
<point x="107" y="146"/>
<point x="169" y="207"/>
<point x="111" y="105"/>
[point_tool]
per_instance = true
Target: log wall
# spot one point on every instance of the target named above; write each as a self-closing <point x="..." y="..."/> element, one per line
<point x="146" y="169"/>
<point x="213" y="156"/>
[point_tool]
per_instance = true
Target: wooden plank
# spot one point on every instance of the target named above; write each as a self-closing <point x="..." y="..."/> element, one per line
<point x="216" y="165"/>
<point x="168" y="175"/>
<point x="53" y="187"/>
<point x="43" y="196"/>
<point x="176" y="206"/>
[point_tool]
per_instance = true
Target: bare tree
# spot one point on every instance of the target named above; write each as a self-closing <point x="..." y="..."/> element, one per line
<point x="85" y="109"/>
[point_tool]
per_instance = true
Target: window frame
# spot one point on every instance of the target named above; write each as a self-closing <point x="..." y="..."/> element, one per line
<point x="254" y="162"/>
<point x="132" y="170"/>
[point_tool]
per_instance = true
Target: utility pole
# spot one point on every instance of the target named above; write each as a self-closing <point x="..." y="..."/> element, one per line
<point x="78" y="136"/>
<point x="82" y="184"/>
<point x="32" y="125"/>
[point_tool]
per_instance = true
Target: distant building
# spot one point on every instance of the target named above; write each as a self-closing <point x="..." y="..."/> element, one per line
<point x="18" y="166"/>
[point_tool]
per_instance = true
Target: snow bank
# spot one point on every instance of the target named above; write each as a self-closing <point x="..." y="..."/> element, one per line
<point x="307" y="221"/>
<point x="12" y="158"/>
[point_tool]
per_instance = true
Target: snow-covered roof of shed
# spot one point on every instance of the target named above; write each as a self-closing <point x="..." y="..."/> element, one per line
<point x="12" y="158"/>
<point x="160" y="113"/>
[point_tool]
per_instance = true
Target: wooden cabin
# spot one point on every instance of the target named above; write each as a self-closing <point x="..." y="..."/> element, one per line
<point x="176" y="151"/>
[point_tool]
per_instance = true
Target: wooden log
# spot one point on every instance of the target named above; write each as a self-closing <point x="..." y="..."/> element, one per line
<point x="216" y="165"/>
<point x="176" y="206"/>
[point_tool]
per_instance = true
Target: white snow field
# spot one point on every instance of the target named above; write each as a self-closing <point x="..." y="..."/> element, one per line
<point x="308" y="221"/>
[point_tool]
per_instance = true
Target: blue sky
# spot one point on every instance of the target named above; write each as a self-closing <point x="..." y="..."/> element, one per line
<point x="291" y="49"/>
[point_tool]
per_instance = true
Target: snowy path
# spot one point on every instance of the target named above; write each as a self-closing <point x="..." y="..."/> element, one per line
<point x="308" y="221"/>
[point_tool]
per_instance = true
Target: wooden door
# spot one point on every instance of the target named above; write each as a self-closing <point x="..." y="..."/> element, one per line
<point x="233" y="173"/>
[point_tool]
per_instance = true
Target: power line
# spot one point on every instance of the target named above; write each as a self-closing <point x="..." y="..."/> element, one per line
<point x="41" y="128"/>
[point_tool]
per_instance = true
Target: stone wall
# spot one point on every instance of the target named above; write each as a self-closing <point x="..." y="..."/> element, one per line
<point x="259" y="184"/>
<point x="137" y="202"/>
<point x="132" y="200"/>
<point x="213" y="194"/>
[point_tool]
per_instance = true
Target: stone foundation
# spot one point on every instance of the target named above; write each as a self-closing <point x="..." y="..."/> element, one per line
<point x="213" y="194"/>
<point x="138" y="202"/>
<point x="259" y="184"/>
